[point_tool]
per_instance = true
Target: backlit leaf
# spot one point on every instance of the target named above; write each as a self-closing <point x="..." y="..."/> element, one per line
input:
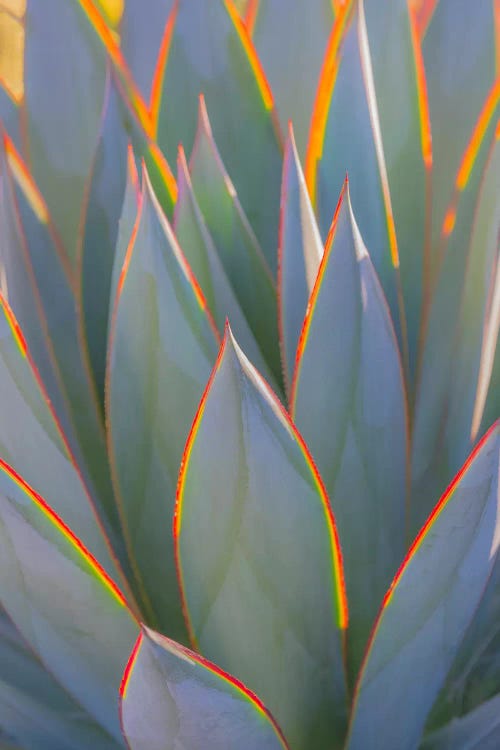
<point x="258" y="555"/>
<point x="172" y="696"/>
<point x="348" y="399"/>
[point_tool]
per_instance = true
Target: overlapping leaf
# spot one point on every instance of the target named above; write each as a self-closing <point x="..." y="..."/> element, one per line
<point x="458" y="326"/>
<point x="258" y="555"/>
<point x="65" y="607"/>
<point x="192" y="232"/>
<point x="161" y="351"/>
<point x="345" y="124"/>
<point x="170" y="695"/>
<point x="299" y="254"/>
<point x="431" y="602"/>
<point x="303" y="36"/>
<point x="348" y="400"/>
<point x="479" y="730"/>
<point x="237" y="246"/>
<point x="206" y="49"/>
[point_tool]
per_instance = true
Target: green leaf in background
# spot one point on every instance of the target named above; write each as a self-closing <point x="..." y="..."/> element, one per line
<point x="430" y="602"/>
<point x="459" y="57"/>
<point x="99" y="218"/>
<point x="303" y="36"/>
<point x="40" y="287"/>
<point x="238" y="248"/>
<point x="449" y="379"/>
<point x="172" y="696"/>
<point x="9" y="115"/>
<point x="192" y="232"/>
<point x="478" y="730"/>
<point x="206" y="48"/>
<point x="32" y="442"/>
<point x="264" y="599"/>
<point x="34" y="709"/>
<point x="400" y="90"/>
<point x="65" y="607"/>
<point x="162" y="346"/>
<point x="348" y="400"/>
<point x="345" y="124"/>
<point x="299" y="254"/>
<point x="63" y="104"/>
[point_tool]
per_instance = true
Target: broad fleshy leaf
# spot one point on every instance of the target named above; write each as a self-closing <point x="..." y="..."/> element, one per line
<point x="446" y="421"/>
<point x="192" y="232"/>
<point x="39" y="285"/>
<point x="303" y="36"/>
<point x="344" y="125"/>
<point x="459" y="57"/>
<point x="32" y="442"/>
<point x="479" y="730"/>
<point x="237" y="246"/>
<point x="172" y="696"/>
<point x="161" y="351"/>
<point x="400" y="90"/>
<point x="206" y="48"/>
<point x="264" y="598"/>
<point x="34" y="709"/>
<point x="62" y="602"/>
<point x="430" y="602"/>
<point x="9" y="115"/>
<point x="348" y="400"/>
<point x="299" y="254"/>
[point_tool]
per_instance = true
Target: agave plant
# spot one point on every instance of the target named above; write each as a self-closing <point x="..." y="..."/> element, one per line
<point x="248" y="451"/>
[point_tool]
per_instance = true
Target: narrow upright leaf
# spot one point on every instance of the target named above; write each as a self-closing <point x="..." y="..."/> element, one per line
<point x="238" y="248"/>
<point x="172" y="696"/>
<point x="62" y="602"/>
<point x="294" y="42"/>
<point x="265" y="598"/>
<point x="430" y="602"/>
<point x="206" y="48"/>
<point x="299" y="254"/>
<point x="161" y="351"/>
<point x="348" y="399"/>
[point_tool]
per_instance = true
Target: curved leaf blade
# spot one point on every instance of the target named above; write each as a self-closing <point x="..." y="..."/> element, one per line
<point x="479" y="730"/>
<point x="348" y="399"/>
<point x="161" y="351"/>
<point x="170" y="694"/>
<point x="264" y="598"/>
<point x="432" y="599"/>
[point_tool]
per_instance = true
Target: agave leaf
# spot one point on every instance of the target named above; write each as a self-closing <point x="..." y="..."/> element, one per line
<point x="299" y="254"/>
<point x="34" y="709"/>
<point x="39" y="286"/>
<point x="171" y="695"/>
<point x="264" y="598"/>
<point x="9" y="115"/>
<point x="459" y="56"/>
<point x="446" y="422"/>
<point x="345" y="124"/>
<point x="289" y="42"/>
<point x="238" y="248"/>
<point x="63" y="604"/>
<point x="161" y="351"/>
<point x="206" y="48"/>
<point x="478" y="730"/>
<point x="99" y="218"/>
<point x="63" y="106"/>
<point x="430" y="602"/>
<point x="32" y="442"/>
<point x="400" y="90"/>
<point x="193" y="234"/>
<point x="141" y="32"/>
<point x="348" y="400"/>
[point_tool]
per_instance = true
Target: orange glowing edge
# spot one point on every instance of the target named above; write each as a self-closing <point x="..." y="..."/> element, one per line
<point x="70" y="537"/>
<point x="159" y="73"/>
<point x="176" y="648"/>
<point x="250" y="17"/>
<point x="422" y="95"/>
<point x="14" y="326"/>
<point x="253" y="58"/>
<point x="339" y="578"/>
<point x="326" y="85"/>
<point x="25" y="181"/>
